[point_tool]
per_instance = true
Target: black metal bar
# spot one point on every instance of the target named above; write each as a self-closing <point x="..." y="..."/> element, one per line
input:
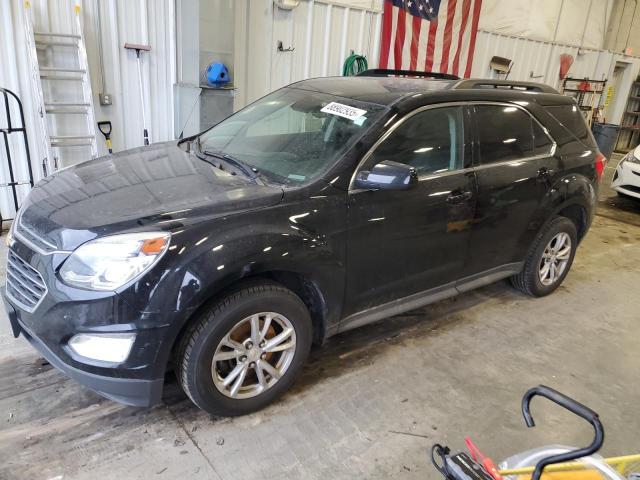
<point x="386" y="72"/>
<point x="574" y="407"/>
<point x="24" y="138"/>
<point x="13" y="180"/>
<point x="470" y="83"/>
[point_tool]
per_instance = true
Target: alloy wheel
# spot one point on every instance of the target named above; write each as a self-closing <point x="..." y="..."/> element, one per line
<point x="253" y="355"/>
<point x="555" y="258"/>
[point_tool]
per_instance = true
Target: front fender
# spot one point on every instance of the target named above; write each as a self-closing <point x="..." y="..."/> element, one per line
<point x="306" y="238"/>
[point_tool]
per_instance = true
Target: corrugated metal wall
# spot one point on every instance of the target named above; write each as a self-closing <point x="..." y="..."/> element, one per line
<point x="134" y="21"/>
<point x="539" y="61"/>
<point x="322" y="34"/>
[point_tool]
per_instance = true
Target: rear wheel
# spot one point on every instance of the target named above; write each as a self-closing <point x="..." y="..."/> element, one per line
<point x="549" y="260"/>
<point x="246" y="350"/>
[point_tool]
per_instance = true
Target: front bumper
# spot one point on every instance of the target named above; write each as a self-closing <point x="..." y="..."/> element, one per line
<point x="129" y="391"/>
<point x="626" y="179"/>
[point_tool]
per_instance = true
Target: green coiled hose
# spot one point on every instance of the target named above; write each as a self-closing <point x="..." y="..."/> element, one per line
<point x="354" y="64"/>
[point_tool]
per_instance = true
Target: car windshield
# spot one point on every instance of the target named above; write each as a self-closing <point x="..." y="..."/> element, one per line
<point x="292" y="136"/>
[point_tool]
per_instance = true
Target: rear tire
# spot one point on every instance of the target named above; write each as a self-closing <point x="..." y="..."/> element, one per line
<point x="241" y="331"/>
<point x="536" y="279"/>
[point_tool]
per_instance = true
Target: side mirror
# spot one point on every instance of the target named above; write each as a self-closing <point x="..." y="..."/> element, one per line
<point x="387" y="175"/>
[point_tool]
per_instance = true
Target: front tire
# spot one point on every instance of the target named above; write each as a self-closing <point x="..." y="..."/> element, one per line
<point x="549" y="259"/>
<point x="246" y="350"/>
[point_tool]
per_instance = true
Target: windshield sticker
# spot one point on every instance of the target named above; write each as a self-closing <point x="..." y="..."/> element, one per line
<point x="344" y="111"/>
<point x="293" y="176"/>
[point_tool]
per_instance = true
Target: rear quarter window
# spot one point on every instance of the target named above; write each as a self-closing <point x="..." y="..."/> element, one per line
<point x="570" y="117"/>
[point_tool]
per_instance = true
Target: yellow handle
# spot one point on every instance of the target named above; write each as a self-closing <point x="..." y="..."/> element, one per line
<point x="108" y="141"/>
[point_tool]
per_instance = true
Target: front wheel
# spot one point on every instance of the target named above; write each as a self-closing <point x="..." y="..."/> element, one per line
<point x="246" y="350"/>
<point x="549" y="260"/>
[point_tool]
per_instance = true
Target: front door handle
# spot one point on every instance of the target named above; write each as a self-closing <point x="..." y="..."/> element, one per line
<point x="458" y="197"/>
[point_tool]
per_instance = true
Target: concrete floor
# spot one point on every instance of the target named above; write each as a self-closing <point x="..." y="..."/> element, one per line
<point x="372" y="401"/>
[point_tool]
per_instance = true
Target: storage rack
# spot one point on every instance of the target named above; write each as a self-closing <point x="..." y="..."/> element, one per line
<point x="587" y="93"/>
<point x="629" y="133"/>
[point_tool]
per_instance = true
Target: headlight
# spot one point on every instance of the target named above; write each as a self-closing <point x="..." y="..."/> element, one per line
<point x="108" y="263"/>
<point x="9" y="239"/>
<point x="106" y="347"/>
<point x="629" y="157"/>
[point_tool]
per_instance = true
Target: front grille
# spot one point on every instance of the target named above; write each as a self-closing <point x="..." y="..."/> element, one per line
<point x="25" y="286"/>
<point x="32" y="238"/>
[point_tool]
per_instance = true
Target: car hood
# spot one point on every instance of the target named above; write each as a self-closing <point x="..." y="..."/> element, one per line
<point x="155" y="187"/>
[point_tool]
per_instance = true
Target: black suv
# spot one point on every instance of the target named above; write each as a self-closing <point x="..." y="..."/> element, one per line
<point x="326" y="205"/>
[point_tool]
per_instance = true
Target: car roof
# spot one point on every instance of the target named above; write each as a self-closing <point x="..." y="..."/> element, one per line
<point x="390" y="90"/>
<point x="380" y="90"/>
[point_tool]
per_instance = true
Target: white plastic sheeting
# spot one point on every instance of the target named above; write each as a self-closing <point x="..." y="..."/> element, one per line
<point x="539" y="61"/>
<point x="322" y="34"/>
<point x="134" y="21"/>
<point x="573" y="22"/>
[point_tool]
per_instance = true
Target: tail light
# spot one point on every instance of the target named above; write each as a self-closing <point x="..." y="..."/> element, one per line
<point x="601" y="163"/>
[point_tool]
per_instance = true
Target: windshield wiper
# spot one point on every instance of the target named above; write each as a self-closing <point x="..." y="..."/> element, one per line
<point x="249" y="172"/>
<point x="234" y="162"/>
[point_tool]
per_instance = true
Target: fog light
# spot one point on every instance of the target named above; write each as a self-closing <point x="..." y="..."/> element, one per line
<point x="108" y="347"/>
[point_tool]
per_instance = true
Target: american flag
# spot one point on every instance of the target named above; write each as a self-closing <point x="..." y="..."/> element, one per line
<point x="429" y="35"/>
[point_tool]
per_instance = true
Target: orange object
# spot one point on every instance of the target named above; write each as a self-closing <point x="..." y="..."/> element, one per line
<point x="566" y="61"/>
<point x="153" y="246"/>
<point x="485" y="461"/>
<point x="584" y="86"/>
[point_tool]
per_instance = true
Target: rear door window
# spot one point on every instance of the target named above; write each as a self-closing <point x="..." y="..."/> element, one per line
<point x="504" y="132"/>
<point x="541" y="141"/>
<point x="570" y="117"/>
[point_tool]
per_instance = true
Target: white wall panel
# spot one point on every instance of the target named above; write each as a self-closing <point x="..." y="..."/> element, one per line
<point x="322" y="32"/>
<point x="134" y="21"/>
<point x="539" y="61"/>
<point x="573" y="22"/>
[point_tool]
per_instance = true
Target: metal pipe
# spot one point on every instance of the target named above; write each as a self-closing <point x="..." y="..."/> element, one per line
<point x="555" y="32"/>
<point x="553" y="42"/>
<point x="586" y="24"/>
<point x="615" y="42"/>
<point x="144" y="115"/>
<point x="99" y="43"/>
<point x="633" y="15"/>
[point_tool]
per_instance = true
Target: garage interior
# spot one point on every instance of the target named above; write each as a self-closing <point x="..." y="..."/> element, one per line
<point x="370" y="402"/>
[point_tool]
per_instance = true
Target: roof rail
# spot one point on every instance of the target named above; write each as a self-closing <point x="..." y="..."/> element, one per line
<point x="504" y="84"/>
<point x="386" y="72"/>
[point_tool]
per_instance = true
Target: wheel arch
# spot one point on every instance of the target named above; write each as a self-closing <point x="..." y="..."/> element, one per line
<point x="573" y="196"/>
<point x="304" y="286"/>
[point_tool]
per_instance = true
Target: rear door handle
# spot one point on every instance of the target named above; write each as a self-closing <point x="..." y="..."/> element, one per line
<point x="459" y="197"/>
<point x="544" y="173"/>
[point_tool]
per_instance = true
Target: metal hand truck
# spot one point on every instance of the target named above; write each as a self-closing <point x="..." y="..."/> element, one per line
<point x="556" y="461"/>
<point x="7" y="130"/>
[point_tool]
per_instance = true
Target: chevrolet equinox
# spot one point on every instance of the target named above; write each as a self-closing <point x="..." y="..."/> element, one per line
<point x="324" y="206"/>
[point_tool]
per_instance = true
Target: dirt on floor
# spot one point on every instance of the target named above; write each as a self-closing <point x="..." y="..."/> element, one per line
<point x="372" y="401"/>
